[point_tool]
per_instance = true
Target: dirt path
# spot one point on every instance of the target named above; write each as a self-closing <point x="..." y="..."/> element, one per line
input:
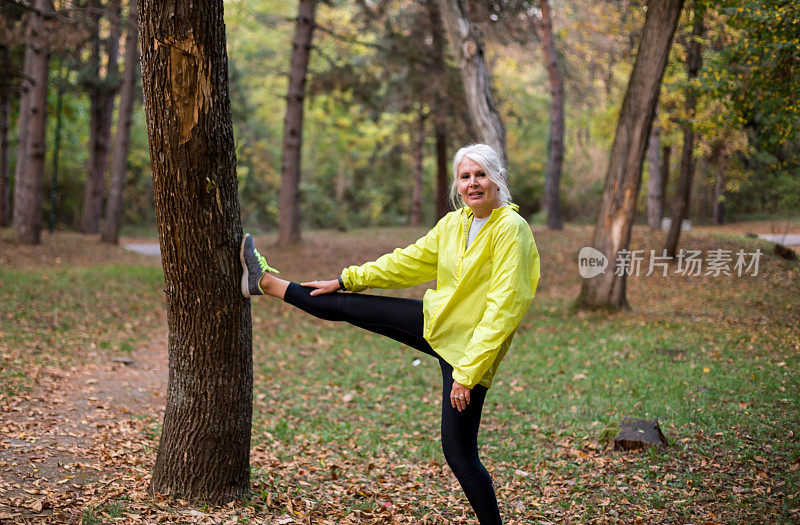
<point x="71" y="429"/>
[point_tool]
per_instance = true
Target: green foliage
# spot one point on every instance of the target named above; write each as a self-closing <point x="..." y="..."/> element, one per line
<point x="761" y="74"/>
<point x="371" y="75"/>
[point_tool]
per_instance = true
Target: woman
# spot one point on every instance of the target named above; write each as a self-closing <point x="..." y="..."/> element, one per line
<point x="486" y="265"/>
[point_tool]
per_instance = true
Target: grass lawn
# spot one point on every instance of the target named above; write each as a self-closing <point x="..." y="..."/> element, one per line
<point x="346" y="426"/>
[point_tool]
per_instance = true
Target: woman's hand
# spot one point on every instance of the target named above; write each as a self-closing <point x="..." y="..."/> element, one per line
<point x="459" y="396"/>
<point x="322" y="287"/>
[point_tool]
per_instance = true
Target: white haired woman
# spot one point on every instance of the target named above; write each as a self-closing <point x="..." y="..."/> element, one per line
<point x="486" y="266"/>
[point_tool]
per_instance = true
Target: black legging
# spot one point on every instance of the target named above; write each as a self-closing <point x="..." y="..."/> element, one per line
<point x="402" y="320"/>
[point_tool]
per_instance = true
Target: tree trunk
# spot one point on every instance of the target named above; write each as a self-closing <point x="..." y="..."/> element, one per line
<point x="443" y="178"/>
<point x="613" y="229"/>
<point x="119" y="159"/>
<point x="684" y="191"/>
<point x="289" y="224"/>
<point x="29" y="173"/>
<point x="56" y="152"/>
<point x="5" y="112"/>
<point x="340" y="193"/>
<point x="555" y="148"/>
<point x="666" y="157"/>
<point x="204" y="450"/>
<point x="719" y="192"/>
<point x="654" y="186"/>
<point x="468" y="48"/>
<point x="439" y="113"/>
<point x="415" y="216"/>
<point x="102" y="111"/>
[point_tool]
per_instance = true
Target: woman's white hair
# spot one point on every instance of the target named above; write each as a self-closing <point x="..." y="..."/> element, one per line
<point x="488" y="159"/>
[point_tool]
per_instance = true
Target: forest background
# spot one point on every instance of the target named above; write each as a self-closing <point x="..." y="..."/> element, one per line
<point x="368" y="111"/>
<point x="385" y="109"/>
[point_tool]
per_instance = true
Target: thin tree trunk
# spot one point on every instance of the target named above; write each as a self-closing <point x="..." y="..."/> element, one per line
<point x="719" y="192"/>
<point x="119" y="159"/>
<point x="666" y="157"/>
<point x="340" y="193"/>
<point x="204" y="450"/>
<point x="56" y="153"/>
<point x="683" y="194"/>
<point x="102" y="112"/>
<point x="415" y="217"/>
<point x="612" y="232"/>
<point x="468" y="48"/>
<point x="443" y="179"/>
<point x="93" y="192"/>
<point x="5" y="112"/>
<point x="29" y="173"/>
<point x="439" y="113"/>
<point x="555" y="149"/>
<point x="654" y="186"/>
<point x="289" y="224"/>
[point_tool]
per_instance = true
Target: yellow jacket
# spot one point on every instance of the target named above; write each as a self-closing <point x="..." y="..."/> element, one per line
<point x="481" y="294"/>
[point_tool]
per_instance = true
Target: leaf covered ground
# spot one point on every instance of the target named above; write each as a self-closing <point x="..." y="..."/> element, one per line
<point x="345" y="425"/>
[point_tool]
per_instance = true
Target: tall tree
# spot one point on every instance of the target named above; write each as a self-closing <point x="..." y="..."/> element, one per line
<point x="205" y="443"/>
<point x="467" y="46"/>
<point x="718" y="211"/>
<point x="289" y="226"/>
<point x="684" y="191"/>
<point x="415" y="214"/>
<point x="555" y="150"/>
<point x="119" y="158"/>
<point x="5" y="111"/>
<point x="32" y="124"/>
<point x="613" y="229"/>
<point x="443" y="179"/>
<point x="655" y="199"/>
<point x="102" y="89"/>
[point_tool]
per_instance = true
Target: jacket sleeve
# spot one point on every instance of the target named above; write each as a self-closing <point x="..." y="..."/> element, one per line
<point x="515" y="276"/>
<point x="409" y="266"/>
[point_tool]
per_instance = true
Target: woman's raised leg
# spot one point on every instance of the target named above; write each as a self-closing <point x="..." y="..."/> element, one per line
<point x="395" y="317"/>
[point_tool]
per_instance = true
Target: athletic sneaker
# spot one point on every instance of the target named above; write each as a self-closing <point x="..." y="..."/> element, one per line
<point x="254" y="266"/>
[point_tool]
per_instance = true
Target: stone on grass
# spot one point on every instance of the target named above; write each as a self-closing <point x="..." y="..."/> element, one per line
<point x="785" y="252"/>
<point x="633" y="433"/>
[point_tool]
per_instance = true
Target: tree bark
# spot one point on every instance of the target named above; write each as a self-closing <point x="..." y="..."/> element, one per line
<point x="5" y="112"/>
<point x="666" y="158"/>
<point x="415" y="216"/>
<point x="56" y="152"/>
<point x="719" y="192"/>
<point x="439" y="113"/>
<point x="101" y="95"/>
<point x="684" y="191"/>
<point x="443" y="178"/>
<point x="29" y="173"/>
<point x="555" y="149"/>
<point x="467" y="46"/>
<point x="654" y="197"/>
<point x="289" y="223"/>
<point x="612" y="232"/>
<point x="204" y="450"/>
<point x="119" y="158"/>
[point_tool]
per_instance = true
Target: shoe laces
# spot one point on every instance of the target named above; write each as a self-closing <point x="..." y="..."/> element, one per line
<point x="262" y="262"/>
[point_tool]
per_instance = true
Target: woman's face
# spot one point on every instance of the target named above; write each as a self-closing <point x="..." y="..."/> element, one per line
<point x="478" y="192"/>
